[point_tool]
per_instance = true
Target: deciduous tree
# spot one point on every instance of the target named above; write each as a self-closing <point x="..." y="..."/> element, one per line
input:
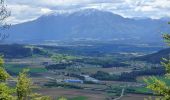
<point x="158" y="86"/>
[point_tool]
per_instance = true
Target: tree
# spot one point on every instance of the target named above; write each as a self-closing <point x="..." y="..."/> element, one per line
<point x="23" y="86"/>
<point x="4" y="14"/>
<point x="158" y="86"/>
<point x="5" y="91"/>
<point x="3" y="74"/>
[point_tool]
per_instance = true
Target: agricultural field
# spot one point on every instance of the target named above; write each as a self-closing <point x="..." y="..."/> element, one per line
<point x="73" y="94"/>
<point x="109" y="73"/>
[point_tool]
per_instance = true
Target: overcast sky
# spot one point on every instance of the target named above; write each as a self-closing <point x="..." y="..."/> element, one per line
<point x="25" y="10"/>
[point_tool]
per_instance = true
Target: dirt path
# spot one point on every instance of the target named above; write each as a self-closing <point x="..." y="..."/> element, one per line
<point x="121" y="96"/>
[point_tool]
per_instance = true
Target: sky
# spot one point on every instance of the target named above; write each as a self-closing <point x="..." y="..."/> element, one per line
<point x="26" y="10"/>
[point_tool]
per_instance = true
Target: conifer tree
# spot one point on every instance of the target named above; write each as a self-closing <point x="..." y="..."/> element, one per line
<point x="5" y="91"/>
<point x="158" y="86"/>
<point x="23" y="86"/>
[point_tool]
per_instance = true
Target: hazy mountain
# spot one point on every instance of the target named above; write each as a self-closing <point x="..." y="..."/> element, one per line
<point x="165" y="19"/>
<point x="89" y="24"/>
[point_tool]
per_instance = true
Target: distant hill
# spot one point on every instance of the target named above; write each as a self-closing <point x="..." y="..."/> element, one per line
<point x="19" y="51"/>
<point x="89" y="24"/>
<point x="155" y="57"/>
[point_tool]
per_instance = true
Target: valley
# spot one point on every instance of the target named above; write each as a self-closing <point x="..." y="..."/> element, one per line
<point x="84" y="50"/>
<point x="92" y="70"/>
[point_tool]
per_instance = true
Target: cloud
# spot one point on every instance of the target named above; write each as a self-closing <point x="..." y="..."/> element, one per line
<point x="23" y="13"/>
<point x="25" y="10"/>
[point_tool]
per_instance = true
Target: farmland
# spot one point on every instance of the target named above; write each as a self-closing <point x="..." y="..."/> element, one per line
<point x="108" y="72"/>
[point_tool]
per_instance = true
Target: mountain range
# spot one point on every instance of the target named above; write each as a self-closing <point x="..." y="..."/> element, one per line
<point x="89" y="24"/>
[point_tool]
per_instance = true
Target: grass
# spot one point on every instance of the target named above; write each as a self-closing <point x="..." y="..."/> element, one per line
<point x="15" y="68"/>
<point x="142" y="90"/>
<point x="79" y="98"/>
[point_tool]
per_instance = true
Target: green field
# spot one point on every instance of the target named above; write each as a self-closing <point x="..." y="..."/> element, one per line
<point x="16" y="68"/>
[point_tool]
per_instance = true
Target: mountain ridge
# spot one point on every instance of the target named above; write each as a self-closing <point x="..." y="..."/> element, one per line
<point x="155" y="57"/>
<point x="89" y="23"/>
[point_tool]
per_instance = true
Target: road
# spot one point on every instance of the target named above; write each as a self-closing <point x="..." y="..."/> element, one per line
<point x="122" y="94"/>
